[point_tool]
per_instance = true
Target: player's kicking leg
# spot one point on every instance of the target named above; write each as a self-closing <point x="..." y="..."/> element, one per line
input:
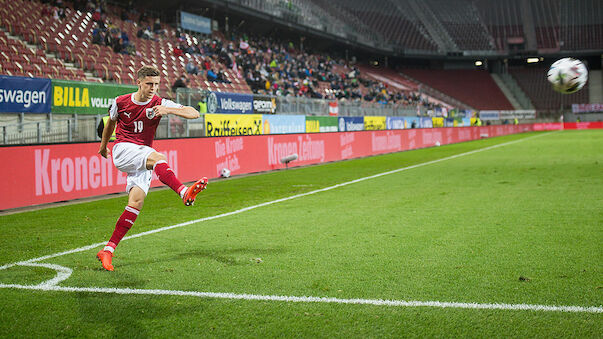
<point x="166" y="175"/>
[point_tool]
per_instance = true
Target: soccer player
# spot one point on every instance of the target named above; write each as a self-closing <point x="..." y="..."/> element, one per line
<point x="137" y="116"/>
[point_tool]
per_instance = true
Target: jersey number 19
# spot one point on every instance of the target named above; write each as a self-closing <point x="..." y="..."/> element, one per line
<point x="138" y="126"/>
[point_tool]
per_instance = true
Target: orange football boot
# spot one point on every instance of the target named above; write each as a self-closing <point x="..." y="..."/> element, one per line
<point x="105" y="258"/>
<point x="193" y="190"/>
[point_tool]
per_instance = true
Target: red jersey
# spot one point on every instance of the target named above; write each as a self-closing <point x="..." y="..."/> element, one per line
<point x="135" y="121"/>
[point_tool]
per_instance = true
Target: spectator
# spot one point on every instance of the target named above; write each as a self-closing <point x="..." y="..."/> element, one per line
<point x="96" y="17"/>
<point x="61" y="13"/>
<point x="220" y="77"/>
<point x="211" y="76"/>
<point x="117" y="46"/>
<point x="206" y="64"/>
<point x="157" y="27"/>
<point x="98" y="36"/>
<point x="125" y="39"/>
<point x="179" y="83"/>
<point x="191" y="68"/>
<point x="131" y="49"/>
<point x="178" y="52"/>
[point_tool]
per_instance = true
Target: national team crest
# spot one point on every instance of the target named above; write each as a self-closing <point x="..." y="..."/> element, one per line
<point x="150" y="113"/>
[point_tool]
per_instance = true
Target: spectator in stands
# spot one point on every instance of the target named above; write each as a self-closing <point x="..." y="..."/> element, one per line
<point x="98" y="37"/>
<point x="55" y="14"/>
<point x="220" y="77"/>
<point x="157" y="28"/>
<point x="131" y="49"/>
<point x="178" y="52"/>
<point x="179" y="83"/>
<point x="147" y="34"/>
<point x="125" y="38"/>
<point x="211" y="76"/>
<point x="117" y="45"/>
<point x="96" y="17"/>
<point x="143" y="18"/>
<point x="108" y="39"/>
<point x="61" y="13"/>
<point x="191" y="68"/>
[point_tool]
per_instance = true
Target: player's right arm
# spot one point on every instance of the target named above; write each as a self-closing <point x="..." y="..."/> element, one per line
<point x="108" y="131"/>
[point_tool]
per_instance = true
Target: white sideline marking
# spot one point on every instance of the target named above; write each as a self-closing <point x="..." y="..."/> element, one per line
<point x="64" y="272"/>
<point x="376" y="302"/>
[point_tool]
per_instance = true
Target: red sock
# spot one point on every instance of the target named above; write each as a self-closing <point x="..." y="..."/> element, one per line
<point x="166" y="175"/>
<point x="125" y="221"/>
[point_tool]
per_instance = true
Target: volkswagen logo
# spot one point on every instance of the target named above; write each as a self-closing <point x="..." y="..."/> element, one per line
<point x="212" y="103"/>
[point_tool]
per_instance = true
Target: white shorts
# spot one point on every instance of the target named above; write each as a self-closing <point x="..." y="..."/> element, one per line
<point x="132" y="159"/>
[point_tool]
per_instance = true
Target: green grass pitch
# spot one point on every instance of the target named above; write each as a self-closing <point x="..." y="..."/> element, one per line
<point x="519" y="224"/>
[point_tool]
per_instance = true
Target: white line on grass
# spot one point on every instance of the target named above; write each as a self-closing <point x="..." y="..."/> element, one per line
<point x="376" y="302"/>
<point x="64" y="272"/>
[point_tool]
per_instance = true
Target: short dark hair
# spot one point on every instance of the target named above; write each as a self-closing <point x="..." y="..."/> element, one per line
<point x="147" y="71"/>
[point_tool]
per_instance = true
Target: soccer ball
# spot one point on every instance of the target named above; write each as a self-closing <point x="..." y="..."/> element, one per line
<point x="567" y="75"/>
<point x="225" y="173"/>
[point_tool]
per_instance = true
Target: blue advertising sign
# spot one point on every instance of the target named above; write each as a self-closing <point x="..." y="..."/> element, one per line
<point x="218" y="102"/>
<point x="395" y="123"/>
<point x="425" y="122"/>
<point x="348" y="124"/>
<point x="195" y="23"/>
<point x="284" y="124"/>
<point x="412" y="122"/>
<point x="489" y="115"/>
<point x="24" y="95"/>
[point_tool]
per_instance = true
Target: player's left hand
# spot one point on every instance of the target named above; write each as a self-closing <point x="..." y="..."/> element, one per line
<point x="160" y="110"/>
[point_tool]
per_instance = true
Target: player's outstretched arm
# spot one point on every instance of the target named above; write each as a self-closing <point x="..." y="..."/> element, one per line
<point x="107" y="132"/>
<point x="187" y="112"/>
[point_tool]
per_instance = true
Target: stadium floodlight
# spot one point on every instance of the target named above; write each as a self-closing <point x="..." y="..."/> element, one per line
<point x="478" y="63"/>
<point x="286" y="160"/>
<point x="532" y="60"/>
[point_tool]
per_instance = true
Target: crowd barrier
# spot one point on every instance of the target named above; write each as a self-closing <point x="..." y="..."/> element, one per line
<point x="51" y="173"/>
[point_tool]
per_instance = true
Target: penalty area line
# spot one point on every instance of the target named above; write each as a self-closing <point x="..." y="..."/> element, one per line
<point x="280" y="298"/>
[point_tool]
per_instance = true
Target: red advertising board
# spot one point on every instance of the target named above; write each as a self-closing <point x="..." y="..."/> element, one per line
<point x="49" y="173"/>
<point x="549" y="126"/>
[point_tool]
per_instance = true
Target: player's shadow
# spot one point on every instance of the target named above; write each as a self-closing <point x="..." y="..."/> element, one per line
<point x="231" y="257"/>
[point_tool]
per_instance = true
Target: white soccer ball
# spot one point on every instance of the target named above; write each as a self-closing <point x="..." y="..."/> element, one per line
<point x="567" y="75"/>
<point x="225" y="173"/>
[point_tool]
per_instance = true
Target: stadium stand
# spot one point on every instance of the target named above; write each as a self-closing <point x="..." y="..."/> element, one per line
<point x="70" y="40"/>
<point x="392" y="21"/>
<point x="537" y="88"/>
<point x="581" y="27"/>
<point x="462" y="22"/>
<point x="546" y="22"/>
<point x="473" y="87"/>
<point x="503" y="20"/>
<point x="108" y="43"/>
